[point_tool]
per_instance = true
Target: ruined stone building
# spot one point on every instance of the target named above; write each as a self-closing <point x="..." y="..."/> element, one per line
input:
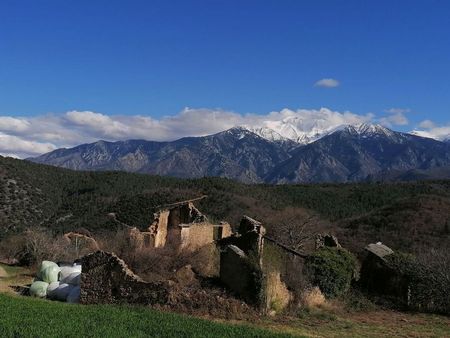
<point x="379" y="278"/>
<point x="182" y="226"/>
<point x="239" y="260"/>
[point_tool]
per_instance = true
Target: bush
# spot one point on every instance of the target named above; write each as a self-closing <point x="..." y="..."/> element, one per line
<point x="427" y="282"/>
<point x="357" y="301"/>
<point x="332" y="270"/>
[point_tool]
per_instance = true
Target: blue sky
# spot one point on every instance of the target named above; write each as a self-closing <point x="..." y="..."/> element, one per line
<point x="153" y="58"/>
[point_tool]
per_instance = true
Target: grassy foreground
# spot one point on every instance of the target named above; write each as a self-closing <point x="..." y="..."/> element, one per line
<point x="27" y="317"/>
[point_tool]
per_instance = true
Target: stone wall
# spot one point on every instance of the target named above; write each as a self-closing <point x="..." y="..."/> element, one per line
<point x="240" y="274"/>
<point x="206" y="261"/>
<point x="106" y="279"/>
<point x="277" y="294"/>
<point x="243" y="270"/>
<point x="226" y="230"/>
<point x="159" y="228"/>
<point x="251" y="236"/>
<point x="183" y="226"/>
<point x="197" y="235"/>
<point x="166" y="223"/>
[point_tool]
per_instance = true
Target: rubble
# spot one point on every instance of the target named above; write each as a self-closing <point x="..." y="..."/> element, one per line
<point x="107" y="279"/>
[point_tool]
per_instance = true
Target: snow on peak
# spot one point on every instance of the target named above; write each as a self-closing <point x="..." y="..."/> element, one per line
<point x="266" y="133"/>
<point x="293" y="128"/>
<point x="442" y="135"/>
<point x="366" y="130"/>
<point x="239" y="131"/>
<point x="304" y="132"/>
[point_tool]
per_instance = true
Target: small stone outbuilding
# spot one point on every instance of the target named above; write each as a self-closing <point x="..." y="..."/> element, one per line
<point x="379" y="278"/>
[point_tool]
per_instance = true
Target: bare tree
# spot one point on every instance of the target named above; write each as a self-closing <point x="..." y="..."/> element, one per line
<point x="294" y="227"/>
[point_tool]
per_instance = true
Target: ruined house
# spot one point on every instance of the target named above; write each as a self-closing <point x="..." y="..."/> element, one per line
<point x="238" y="259"/>
<point x="180" y="225"/>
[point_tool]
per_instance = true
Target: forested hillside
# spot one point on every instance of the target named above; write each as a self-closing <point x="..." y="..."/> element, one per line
<point x="405" y="215"/>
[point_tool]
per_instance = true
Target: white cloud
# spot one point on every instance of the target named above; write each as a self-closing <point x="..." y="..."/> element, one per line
<point x="327" y="83"/>
<point x="398" y="119"/>
<point x="429" y="129"/>
<point x="397" y="110"/>
<point x="15" y="146"/>
<point x="13" y="124"/>
<point x="427" y="124"/>
<point x="395" y="117"/>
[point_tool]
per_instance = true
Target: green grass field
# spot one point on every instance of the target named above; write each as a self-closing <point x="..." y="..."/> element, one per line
<point x="27" y="317"/>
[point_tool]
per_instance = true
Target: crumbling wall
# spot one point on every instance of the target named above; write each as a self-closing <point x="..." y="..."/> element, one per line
<point x="281" y="277"/>
<point x="327" y="240"/>
<point x="196" y="235"/>
<point x="206" y="261"/>
<point x="277" y="294"/>
<point x="248" y="272"/>
<point x="226" y="230"/>
<point x="159" y="228"/>
<point x="106" y="279"/>
<point x="251" y="237"/>
<point x="165" y="227"/>
<point x="240" y="274"/>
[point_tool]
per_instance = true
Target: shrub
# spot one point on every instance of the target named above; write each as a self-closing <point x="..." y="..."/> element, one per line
<point x="332" y="270"/>
<point x="355" y="300"/>
<point x="427" y="282"/>
<point x="312" y="297"/>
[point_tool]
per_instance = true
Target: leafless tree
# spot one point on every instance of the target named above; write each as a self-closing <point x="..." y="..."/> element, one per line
<point x="295" y="228"/>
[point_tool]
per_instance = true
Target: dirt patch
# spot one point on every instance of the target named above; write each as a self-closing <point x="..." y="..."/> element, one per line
<point x="3" y="273"/>
<point x="11" y="277"/>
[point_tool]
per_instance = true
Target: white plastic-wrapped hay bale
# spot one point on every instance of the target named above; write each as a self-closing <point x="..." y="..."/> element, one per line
<point x="45" y="264"/>
<point x="38" y="289"/>
<point x="51" y="289"/>
<point x="50" y="274"/>
<point x="61" y="292"/>
<point x="74" y="295"/>
<point x="67" y="271"/>
<point x="72" y="279"/>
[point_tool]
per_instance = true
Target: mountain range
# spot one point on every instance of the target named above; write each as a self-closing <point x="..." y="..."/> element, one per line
<point x="283" y="154"/>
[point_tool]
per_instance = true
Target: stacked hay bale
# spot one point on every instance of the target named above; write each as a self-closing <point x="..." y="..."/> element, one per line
<point x="57" y="282"/>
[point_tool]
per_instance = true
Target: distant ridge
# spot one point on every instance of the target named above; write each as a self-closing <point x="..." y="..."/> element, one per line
<point x="348" y="153"/>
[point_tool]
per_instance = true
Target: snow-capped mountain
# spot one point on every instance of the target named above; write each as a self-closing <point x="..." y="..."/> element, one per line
<point x="344" y="154"/>
<point x="359" y="152"/>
